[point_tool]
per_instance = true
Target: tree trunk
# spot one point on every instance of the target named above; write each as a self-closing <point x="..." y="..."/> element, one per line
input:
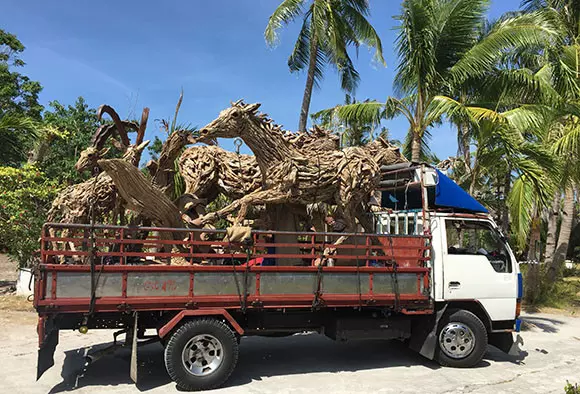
<point x="416" y="147"/>
<point x="552" y="228"/>
<point x="505" y="220"/>
<point x="309" y="85"/>
<point x="463" y="130"/>
<point x="532" y="280"/>
<point x="555" y="267"/>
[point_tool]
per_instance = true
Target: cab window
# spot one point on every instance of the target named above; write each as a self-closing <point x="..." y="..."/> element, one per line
<point x="467" y="237"/>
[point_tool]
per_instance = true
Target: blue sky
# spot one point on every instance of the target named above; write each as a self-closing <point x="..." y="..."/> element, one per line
<point x="131" y="54"/>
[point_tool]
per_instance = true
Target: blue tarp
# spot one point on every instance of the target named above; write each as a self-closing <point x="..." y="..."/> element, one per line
<point x="450" y="195"/>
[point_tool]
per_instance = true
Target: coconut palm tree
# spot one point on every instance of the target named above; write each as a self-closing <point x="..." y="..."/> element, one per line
<point x="440" y="49"/>
<point x="562" y="69"/>
<point x="329" y="27"/>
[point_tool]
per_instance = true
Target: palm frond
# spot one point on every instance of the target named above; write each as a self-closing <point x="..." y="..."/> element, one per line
<point x="300" y="55"/>
<point x="369" y="112"/>
<point x="415" y="46"/>
<point x="458" y="23"/>
<point x="363" y="31"/>
<point x="284" y="14"/>
<point x="569" y="142"/>
<point x="17" y="134"/>
<point x="522" y="205"/>
<point x="522" y="31"/>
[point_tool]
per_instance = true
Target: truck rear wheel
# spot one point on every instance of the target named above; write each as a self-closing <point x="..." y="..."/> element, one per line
<point x="201" y="354"/>
<point x="462" y="339"/>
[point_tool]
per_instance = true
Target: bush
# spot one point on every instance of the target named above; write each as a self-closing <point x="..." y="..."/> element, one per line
<point x="561" y="294"/>
<point x="25" y="197"/>
<point x="571" y="389"/>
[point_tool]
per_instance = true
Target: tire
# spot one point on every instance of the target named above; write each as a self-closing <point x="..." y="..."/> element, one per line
<point x="201" y="354"/>
<point x="461" y="339"/>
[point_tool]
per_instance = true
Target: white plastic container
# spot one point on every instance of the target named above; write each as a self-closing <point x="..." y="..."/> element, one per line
<point x="25" y="279"/>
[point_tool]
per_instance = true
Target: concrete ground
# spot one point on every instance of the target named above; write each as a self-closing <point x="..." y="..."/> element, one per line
<point x="300" y="364"/>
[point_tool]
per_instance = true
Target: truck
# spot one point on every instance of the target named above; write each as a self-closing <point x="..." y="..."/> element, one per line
<point x="437" y="274"/>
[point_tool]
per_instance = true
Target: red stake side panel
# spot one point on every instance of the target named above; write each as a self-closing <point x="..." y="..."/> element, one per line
<point x="203" y="271"/>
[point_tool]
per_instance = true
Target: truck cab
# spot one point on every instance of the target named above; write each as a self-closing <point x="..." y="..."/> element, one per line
<point x="472" y="266"/>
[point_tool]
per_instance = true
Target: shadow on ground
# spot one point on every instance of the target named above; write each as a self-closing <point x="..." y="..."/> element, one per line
<point x="259" y="358"/>
<point x="543" y="323"/>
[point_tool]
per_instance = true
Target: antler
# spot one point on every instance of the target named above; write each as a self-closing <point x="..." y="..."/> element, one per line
<point x="118" y="122"/>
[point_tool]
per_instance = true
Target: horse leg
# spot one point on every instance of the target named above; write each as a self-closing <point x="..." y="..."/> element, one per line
<point x="257" y="197"/>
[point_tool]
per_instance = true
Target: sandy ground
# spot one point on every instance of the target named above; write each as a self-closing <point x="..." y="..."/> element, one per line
<point x="300" y="364"/>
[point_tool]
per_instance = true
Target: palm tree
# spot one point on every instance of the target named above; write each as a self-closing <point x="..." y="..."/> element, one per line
<point x="17" y="135"/>
<point x="351" y="133"/>
<point x="440" y="51"/>
<point x="329" y="27"/>
<point x="562" y="69"/>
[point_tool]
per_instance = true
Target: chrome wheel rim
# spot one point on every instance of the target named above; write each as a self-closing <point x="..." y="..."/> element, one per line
<point x="202" y="355"/>
<point x="456" y="340"/>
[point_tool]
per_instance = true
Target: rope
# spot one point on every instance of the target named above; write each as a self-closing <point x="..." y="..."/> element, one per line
<point x="93" y="251"/>
<point x="235" y="275"/>
<point x="238" y="143"/>
<point x="318" y="278"/>
<point x="357" y="272"/>
<point x="246" y="271"/>
<point x="394" y="275"/>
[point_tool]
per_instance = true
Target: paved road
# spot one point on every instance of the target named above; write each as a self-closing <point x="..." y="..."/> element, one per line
<point x="302" y="364"/>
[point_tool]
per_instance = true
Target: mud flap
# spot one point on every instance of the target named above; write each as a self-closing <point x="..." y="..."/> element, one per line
<point x="424" y="340"/>
<point x="504" y="341"/>
<point x="48" y="340"/>
<point x="134" y="347"/>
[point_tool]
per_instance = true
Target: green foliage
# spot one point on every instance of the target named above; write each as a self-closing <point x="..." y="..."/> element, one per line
<point x="355" y="132"/>
<point x="155" y="147"/>
<point x="571" y="388"/>
<point x="565" y="292"/>
<point x="329" y="27"/>
<point x="17" y="135"/>
<point x="220" y="202"/>
<point x="76" y="123"/>
<point x="19" y="107"/>
<point x="25" y="197"/>
<point x="18" y="94"/>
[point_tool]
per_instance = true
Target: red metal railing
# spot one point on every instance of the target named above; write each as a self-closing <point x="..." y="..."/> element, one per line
<point x="151" y="251"/>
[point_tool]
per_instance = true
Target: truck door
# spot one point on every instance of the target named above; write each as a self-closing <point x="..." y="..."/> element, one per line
<point x="478" y="265"/>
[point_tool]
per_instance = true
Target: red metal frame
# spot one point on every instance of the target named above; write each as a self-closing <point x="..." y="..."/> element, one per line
<point x="163" y="331"/>
<point x="410" y="253"/>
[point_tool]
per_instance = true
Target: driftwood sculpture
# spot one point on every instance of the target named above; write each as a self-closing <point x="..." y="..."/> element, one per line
<point x="140" y="195"/>
<point x="95" y="198"/>
<point x="297" y="175"/>
<point x="210" y="170"/>
<point x="89" y="157"/>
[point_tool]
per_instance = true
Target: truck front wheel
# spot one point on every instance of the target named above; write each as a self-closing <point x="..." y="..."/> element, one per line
<point x="462" y="339"/>
<point x="201" y="354"/>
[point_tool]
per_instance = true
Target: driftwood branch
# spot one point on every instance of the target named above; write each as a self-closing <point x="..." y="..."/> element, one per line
<point x="141" y="196"/>
<point x="165" y="166"/>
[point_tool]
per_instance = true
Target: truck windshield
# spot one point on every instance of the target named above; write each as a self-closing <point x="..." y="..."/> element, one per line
<point x="470" y="237"/>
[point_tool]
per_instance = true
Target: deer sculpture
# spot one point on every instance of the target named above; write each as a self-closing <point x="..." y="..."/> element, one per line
<point x="97" y="197"/>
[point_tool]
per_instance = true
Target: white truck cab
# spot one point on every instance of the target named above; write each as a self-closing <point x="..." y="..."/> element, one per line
<point x="472" y="265"/>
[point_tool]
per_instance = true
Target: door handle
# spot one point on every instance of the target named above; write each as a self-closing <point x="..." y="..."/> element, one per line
<point x="454" y="285"/>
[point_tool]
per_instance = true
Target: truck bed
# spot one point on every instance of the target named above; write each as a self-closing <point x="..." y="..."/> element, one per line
<point x="112" y="268"/>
